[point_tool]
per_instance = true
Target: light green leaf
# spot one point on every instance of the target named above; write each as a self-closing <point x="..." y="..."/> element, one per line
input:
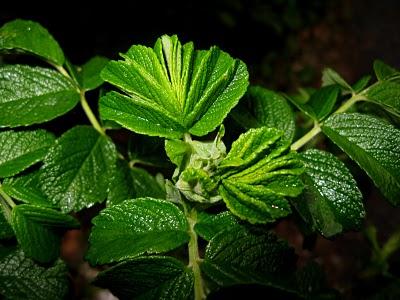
<point x="243" y="256"/>
<point x="256" y="175"/>
<point x="89" y="74"/>
<point x="78" y="170"/>
<point x="31" y="95"/>
<point x="386" y="94"/>
<point x="130" y="183"/>
<point x="135" y="227"/>
<point x="30" y="37"/>
<point x="22" y="278"/>
<point x="26" y="188"/>
<point x="37" y="230"/>
<point x="373" y="144"/>
<point x="174" y="88"/>
<point x="147" y="278"/>
<point x="179" y="152"/>
<point x="331" y="202"/>
<point x="263" y="107"/>
<point x="330" y="77"/>
<point x="385" y="72"/>
<point x="22" y="149"/>
<point x="209" y="225"/>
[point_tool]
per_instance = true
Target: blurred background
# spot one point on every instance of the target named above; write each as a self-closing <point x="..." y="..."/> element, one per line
<point x="286" y="44"/>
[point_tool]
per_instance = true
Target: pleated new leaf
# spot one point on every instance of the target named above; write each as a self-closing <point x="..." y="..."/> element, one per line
<point x="135" y="227"/>
<point x="31" y="95"/>
<point x="258" y="173"/>
<point x="22" y="278"/>
<point x="263" y="107"/>
<point x="373" y="144"/>
<point x="30" y="37"/>
<point x="243" y="256"/>
<point x="173" y="89"/>
<point x="148" y="278"/>
<point x="331" y="202"/>
<point x="78" y="170"/>
<point x="37" y="230"/>
<point x="21" y="149"/>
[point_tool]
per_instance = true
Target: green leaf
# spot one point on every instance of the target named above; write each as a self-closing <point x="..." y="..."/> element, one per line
<point x="37" y="230"/>
<point x="331" y="201"/>
<point x="209" y="225"/>
<point x="6" y="231"/>
<point x="26" y="188"/>
<point x="256" y="175"/>
<point x="243" y="256"/>
<point x="22" y="149"/>
<point x="179" y="152"/>
<point x="89" y="75"/>
<point x="31" y="95"/>
<point x="263" y="107"/>
<point x="386" y="94"/>
<point x="385" y="72"/>
<point x="22" y="278"/>
<point x="78" y="170"/>
<point x="133" y="183"/>
<point x="330" y="77"/>
<point x="361" y="84"/>
<point x="148" y="151"/>
<point x="152" y="277"/>
<point x="174" y="88"/>
<point x="373" y="144"/>
<point x="31" y="37"/>
<point x="323" y="101"/>
<point x="135" y="227"/>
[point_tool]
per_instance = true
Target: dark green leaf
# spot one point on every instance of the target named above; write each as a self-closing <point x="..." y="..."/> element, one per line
<point x="361" y="84"/>
<point x="30" y="37"/>
<point x="22" y="278"/>
<point x="386" y="94"/>
<point x="22" y="149"/>
<point x="330" y="77"/>
<point x="135" y="227"/>
<point x="132" y="183"/>
<point x="373" y="144"/>
<point x="331" y="201"/>
<point x="147" y="150"/>
<point x="384" y="72"/>
<point x="153" y="277"/>
<point x="31" y="95"/>
<point x="323" y="101"/>
<point x="26" y="188"/>
<point x="6" y="231"/>
<point x="174" y="88"/>
<point x="257" y="174"/>
<point x="37" y="230"/>
<point x="262" y="107"/>
<point x="89" y="75"/>
<point x="243" y="256"/>
<point x="78" y="170"/>
<point x="209" y="225"/>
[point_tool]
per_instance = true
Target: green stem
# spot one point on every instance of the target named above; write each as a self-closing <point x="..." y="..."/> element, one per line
<point x="89" y="113"/>
<point x="317" y="126"/>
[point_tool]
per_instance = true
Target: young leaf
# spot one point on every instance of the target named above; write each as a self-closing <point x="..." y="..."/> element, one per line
<point x="257" y="174"/>
<point x="89" y="75"/>
<point x="263" y="107"/>
<point x="30" y="37"/>
<point x="78" y="170"/>
<point x="133" y="183"/>
<point x="386" y="94"/>
<point x="243" y="256"/>
<point x="22" y="278"/>
<point x="31" y="95"/>
<point x="384" y="72"/>
<point x="151" y="277"/>
<point x="26" y="188"/>
<point x="37" y="230"/>
<point x="330" y="77"/>
<point x="22" y="149"/>
<point x="373" y="144"/>
<point x="209" y="225"/>
<point x="361" y="84"/>
<point x="331" y="201"/>
<point x="135" y="227"/>
<point x="174" y="88"/>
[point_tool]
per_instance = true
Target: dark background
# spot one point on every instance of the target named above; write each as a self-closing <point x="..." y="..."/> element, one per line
<point x="285" y="44"/>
